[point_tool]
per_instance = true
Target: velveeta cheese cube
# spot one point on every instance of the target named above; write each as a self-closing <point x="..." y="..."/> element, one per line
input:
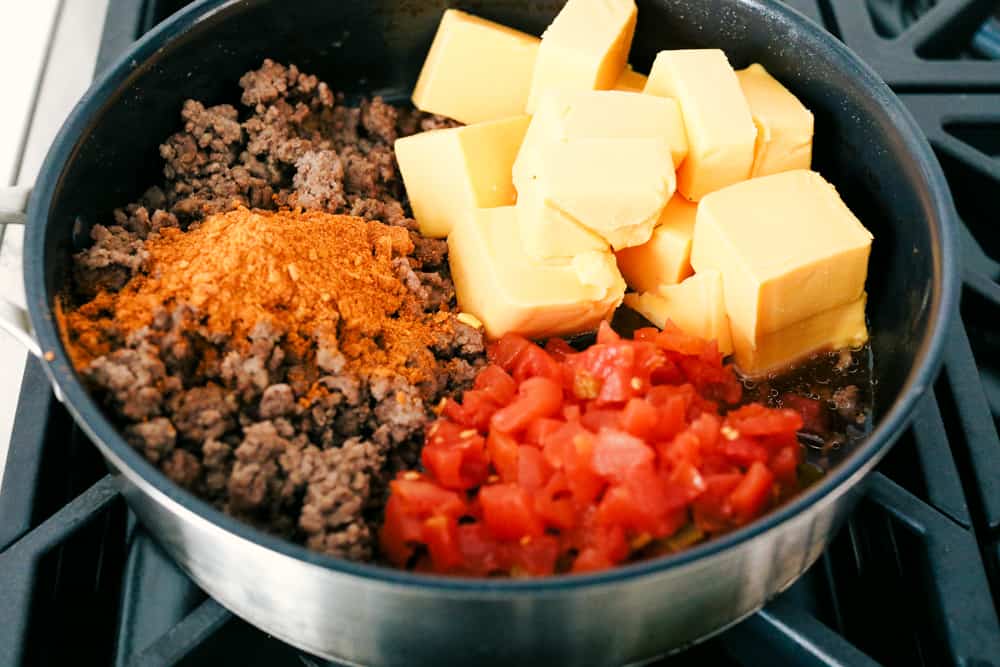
<point x="450" y="172"/>
<point x="720" y="129"/>
<point x="476" y="70"/>
<point x="547" y="232"/>
<point x="600" y="114"/>
<point x="665" y="259"/>
<point x="696" y="306"/>
<point x="834" y="329"/>
<point x="616" y="188"/>
<point x="784" y="125"/>
<point x="630" y="81"/>
<point x="509" y="292"/>
<point x="585" y="48"/>
<point x="787" y="247"/>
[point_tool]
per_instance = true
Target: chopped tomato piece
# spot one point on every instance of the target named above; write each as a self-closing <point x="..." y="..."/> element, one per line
<point x="536" y="397"/>
<point x="460" y="463"/>
<point x="785" y="465"/>
<point x="533" y="471"/>
<point x="503" y="451"/>
<point x="639" y="418"/>
<point x="753" y="492"/>
<point x="508" y="512"/>
<point x="617" y="453"/>
<point x="440" y="534"/>
<point x="422" y="497"/>
<point x="757" y="419"/>
<point x="539" y="429"/>
<point x="558" y="459"/>
<point x="495" y="384"/>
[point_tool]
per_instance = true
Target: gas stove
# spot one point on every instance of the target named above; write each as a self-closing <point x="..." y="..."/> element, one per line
<point x="913" y="578"/>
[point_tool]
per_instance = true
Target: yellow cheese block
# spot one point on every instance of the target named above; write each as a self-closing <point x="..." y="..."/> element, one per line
<point x="600" y="114"/>
<point x="834" y="329"/>
<point x="630" y="81"/>
<point x="547" y="232"/>
<point x="787" y="247"/>
<point x="665" y="259"/>
<point x="695" y="305"/>
<point x="616" y="188"/>
<point x="450" y="172"/>
<point x="720" y="129"/>
<point x="476" y="70"/>
<point x="508" y="292"/>
<point x="784" y="125"/>
<point x="585" y="48"/>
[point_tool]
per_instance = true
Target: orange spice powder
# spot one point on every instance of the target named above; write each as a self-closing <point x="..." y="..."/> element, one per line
<point x="313" y="275"/>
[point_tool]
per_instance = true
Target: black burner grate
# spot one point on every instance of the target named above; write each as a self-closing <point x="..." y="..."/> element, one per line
<point x="912" y="579"/>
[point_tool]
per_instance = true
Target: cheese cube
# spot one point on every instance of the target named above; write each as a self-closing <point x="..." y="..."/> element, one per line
<point x="834" y="329"/>
<point x="508" y="292"/>
<point x="630" y="81"/>
<point x="665" y="259"/>
<point x="547" y="232"/>
<point x="585" y="48"/>
<point x="787" y="247"/>
<point x="720" y="129"/>
<point x="784" y="125"/>
<point x="616" y="188"/>
<point x="600" y="114"/>
<point x="476" y="70"/>
<point x="450" y="172"/>
<point x="696" y="306"/>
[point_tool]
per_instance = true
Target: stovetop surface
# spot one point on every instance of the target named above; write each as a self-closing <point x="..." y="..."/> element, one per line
<point x="912" y="579"/>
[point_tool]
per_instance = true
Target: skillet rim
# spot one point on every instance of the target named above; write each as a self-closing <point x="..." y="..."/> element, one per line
<point x="143" y="54"/>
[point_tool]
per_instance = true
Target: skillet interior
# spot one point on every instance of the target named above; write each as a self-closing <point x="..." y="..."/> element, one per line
<point x="865" y="144"/>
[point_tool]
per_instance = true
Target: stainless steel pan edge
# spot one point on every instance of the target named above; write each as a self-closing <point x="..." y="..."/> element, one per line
<point x="370" y="615"/>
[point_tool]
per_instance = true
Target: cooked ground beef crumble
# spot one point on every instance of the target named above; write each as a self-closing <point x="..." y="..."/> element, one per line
<point x="247" y="428"/>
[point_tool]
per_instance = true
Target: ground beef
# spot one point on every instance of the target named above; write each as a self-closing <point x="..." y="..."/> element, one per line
<point x="302" y="448"/>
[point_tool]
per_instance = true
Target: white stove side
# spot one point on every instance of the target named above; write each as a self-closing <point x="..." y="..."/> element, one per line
<point x="49" y="48"/>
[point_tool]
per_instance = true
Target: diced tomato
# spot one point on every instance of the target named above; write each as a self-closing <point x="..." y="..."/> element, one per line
<point x="711" y="510"/>
<point x="540" y="428"/>
<point x="400" y="532"/>
<point x="743" y="451"/>
<point x="606" y="335"/>
<point x="571" y="413"/>
<point x="422" y="497"/>
<point x="785" y="465"/>
<point x="475" y="410"/>
<point x="495" y="384"/>
<point x="461" y="463"/>
<point x="536" y="397"/>
<point x="479" y="548"/>
<point x="533" y="471"/>
<point x="561" y="458"/>
<point x="682" y="485"/>
<point x="597" y="418"/>
<point x="506" y="351"/>
<point x="753" y="492"/>
<point x="757" y="419"/>
<point x="508" y="512"/>
<point x="617" y="454"/>
<point x="554" y="505"/>
<point x="535" y="555"/>
<point x="672" y="339"/>
<point x="503" y="451"/>
<point x="559" y="349"/>
<point x="440" y="534"/>
<point x="639" y="418"/>
<point x="533" y="361"/>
